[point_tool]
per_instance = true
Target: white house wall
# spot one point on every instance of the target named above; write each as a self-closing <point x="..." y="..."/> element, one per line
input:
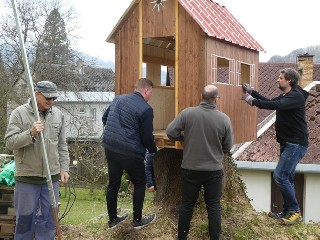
<point x="83" y="113"/>
<point x="79" y="121"/>
<point x="311" y="198"/>
<point x="258" y="187"/>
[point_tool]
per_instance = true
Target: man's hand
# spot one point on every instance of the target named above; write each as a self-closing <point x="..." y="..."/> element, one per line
<point x="151" y="189"/>
<point x="37" y="127"/>
<point x="247" y="88"/>
<point x="248" y="98"/>
<point x="64" y="176"/>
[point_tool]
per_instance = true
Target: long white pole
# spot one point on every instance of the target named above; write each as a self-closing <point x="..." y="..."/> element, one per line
<point x="35" y="109"/>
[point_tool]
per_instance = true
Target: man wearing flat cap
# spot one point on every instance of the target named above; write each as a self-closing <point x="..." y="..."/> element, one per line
<point x="34" y="215"/>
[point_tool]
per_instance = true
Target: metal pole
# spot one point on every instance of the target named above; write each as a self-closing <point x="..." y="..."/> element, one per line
<point x="35" y="109"/>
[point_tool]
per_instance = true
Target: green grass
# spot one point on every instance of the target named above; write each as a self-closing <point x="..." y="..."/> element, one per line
<point x="85" y="207"/>
<point x="90" y="206"/>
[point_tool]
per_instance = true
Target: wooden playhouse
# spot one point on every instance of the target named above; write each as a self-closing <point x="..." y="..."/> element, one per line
<point x="201" y="43"/>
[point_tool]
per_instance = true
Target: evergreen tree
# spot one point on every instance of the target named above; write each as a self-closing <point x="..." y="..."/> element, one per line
<point x="54" y="45"/>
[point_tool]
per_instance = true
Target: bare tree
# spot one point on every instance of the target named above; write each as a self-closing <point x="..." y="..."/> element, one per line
<point x="4" y="83"/>
<point x="48" y="28"/>
<point x="35" y="17"/>
<point x="89" y="165"/>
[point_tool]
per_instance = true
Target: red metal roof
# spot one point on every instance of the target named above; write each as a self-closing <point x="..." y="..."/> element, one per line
<point x="216" y="21"/>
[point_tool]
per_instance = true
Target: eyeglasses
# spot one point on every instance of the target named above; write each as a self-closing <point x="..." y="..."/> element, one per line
<point x="51" y="98"/>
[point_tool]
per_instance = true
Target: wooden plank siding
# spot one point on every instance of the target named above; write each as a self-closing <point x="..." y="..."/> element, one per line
<point x="117" y="64"/>
<point x="127" y="55"/>
<point x="241" y="114"/>
<point x="158" y="55"/>
<point x="191" y="59"/>
<point x="154" y="73"/>
<point x="162" y="102"/>
<point x="158" y="24"/>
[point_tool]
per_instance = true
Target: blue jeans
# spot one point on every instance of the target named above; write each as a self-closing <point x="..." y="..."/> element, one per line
<point x="290" y="155"/>
<point x="34" y="215"/>
<point x="192" y="181"/>
<point x="149" y="170"/>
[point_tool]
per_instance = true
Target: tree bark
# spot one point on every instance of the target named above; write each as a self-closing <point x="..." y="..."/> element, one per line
<point x="167" y="165"/>
<point x="167" y="170"/>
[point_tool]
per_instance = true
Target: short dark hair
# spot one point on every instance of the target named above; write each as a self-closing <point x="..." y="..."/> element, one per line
<point x="292" y="75"/>
<point x="143" y="83"/>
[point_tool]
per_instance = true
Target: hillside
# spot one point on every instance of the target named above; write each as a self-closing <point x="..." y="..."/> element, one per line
<point x="292" y="57"/>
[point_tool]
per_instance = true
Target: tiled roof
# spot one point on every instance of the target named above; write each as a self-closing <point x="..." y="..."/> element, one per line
<point x="316" y="72"/>
<point x="216" y="21"/>
<point x="268" y="75"/>
<point x="96" y="79"/>
<point x="77" y="78"/>
<point x="85" y="97"/>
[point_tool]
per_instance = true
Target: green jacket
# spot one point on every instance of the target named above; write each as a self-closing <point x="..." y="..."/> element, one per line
<point x="27" y="153"/>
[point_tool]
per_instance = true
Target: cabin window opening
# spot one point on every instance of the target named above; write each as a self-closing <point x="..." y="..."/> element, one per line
<point x="222" y="70"/>
<point x="245" y="73"/>
<point x="161" y="75"/>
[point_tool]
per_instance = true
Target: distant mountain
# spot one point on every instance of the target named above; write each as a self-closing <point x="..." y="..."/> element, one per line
<point x="292" y="57"/>
<point x="94" y="61"/>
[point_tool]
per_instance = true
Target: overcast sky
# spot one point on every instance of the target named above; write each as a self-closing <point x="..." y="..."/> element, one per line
<point x="280" y="26"/>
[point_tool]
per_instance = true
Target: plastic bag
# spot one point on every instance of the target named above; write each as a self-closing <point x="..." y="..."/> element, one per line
<point x="7" y="174"/>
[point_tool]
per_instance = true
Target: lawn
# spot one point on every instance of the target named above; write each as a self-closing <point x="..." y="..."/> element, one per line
<point x="86" y="206"/>
<point x="89" y="206"/>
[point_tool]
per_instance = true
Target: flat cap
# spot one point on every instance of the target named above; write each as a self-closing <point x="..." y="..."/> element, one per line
<point x="48" y="89"/>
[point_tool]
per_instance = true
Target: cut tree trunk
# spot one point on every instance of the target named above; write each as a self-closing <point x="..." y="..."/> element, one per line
<point x="167" y="169"/>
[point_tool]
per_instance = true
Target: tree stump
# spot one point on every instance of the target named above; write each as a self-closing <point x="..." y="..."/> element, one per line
<point x="167" y="170"/>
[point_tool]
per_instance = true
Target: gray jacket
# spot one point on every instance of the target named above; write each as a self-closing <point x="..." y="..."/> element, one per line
<point x="206" y="134"/>
<point x="27" y="154"/>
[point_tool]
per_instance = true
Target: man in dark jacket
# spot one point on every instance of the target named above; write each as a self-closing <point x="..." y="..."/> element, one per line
<point x="207" y="136"/>
<point x="128" y="134"/>
<point x="291" y="133"/>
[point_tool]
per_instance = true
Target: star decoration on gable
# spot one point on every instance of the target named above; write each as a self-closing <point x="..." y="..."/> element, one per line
<point x="158" y="4"/>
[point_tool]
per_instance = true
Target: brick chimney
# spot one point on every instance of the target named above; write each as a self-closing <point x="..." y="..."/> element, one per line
<point x="305" y="67"/>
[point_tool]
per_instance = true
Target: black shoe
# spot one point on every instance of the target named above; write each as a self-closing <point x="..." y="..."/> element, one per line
<point x="113" y="224"/>
<point x="278" y="215"/>
<point x="145" y="221"/>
